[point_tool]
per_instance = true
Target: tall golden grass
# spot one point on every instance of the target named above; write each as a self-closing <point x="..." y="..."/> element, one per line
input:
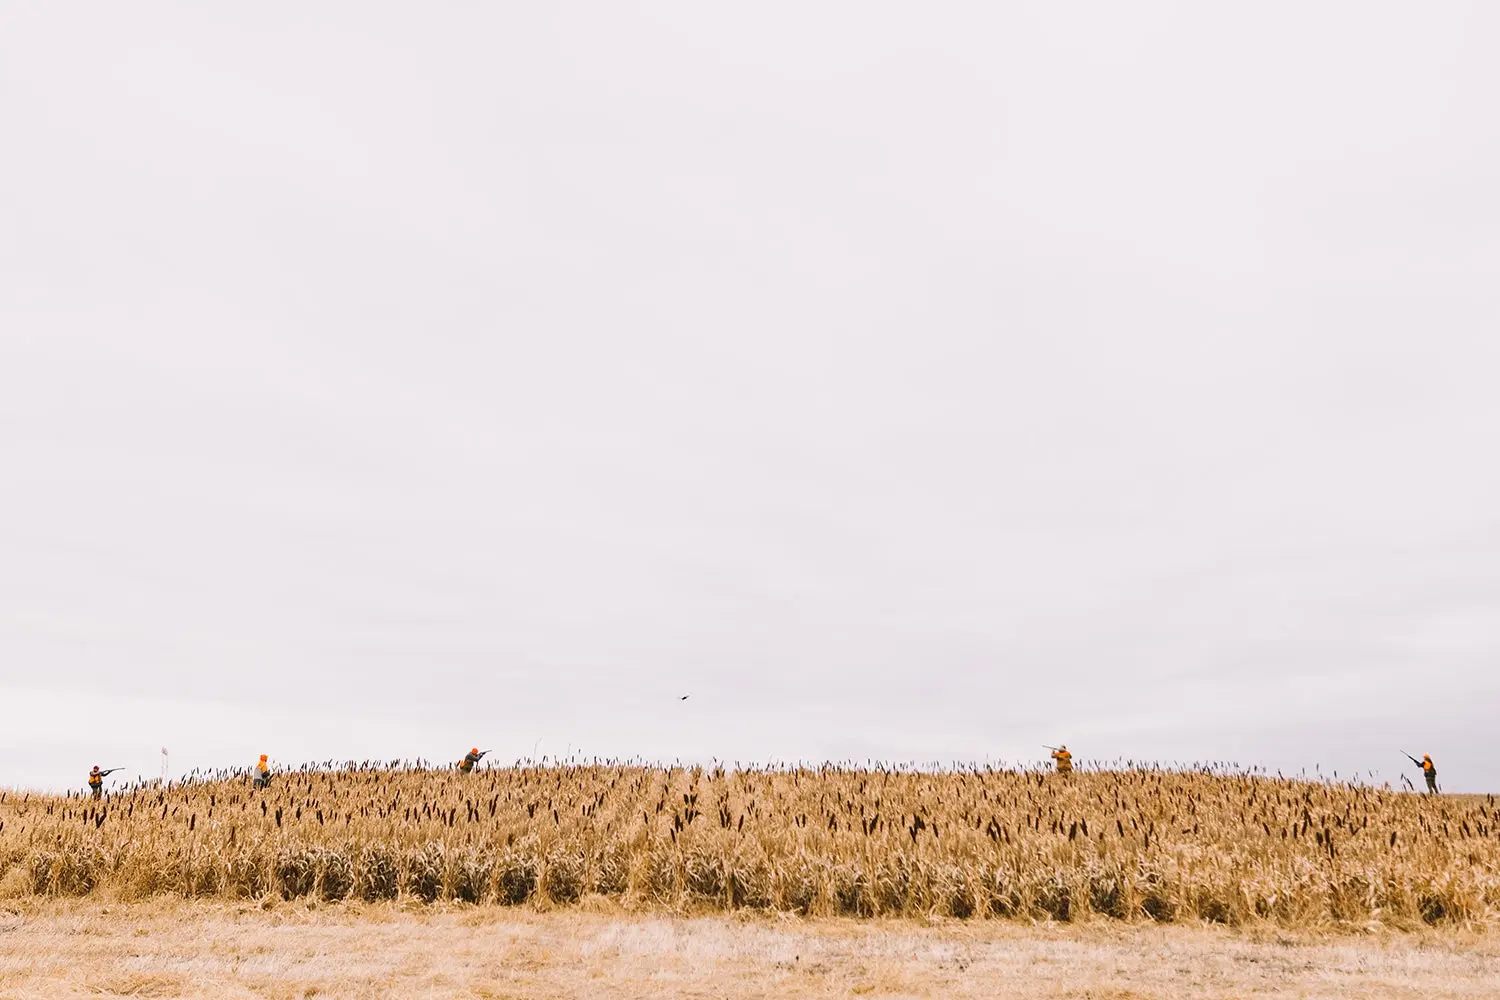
<point x="1131" y="844"/>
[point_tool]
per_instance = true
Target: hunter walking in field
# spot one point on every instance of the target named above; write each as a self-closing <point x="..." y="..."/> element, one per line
<point x="1064" y="759"/>
<point x="470" y="759"/>
<point x="262" y="773"/>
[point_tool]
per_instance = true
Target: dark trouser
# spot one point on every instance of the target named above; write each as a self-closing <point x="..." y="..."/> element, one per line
<point x="262" y="781"/>
<point x="97" y="790"/>
<point x="1432" y="782"/>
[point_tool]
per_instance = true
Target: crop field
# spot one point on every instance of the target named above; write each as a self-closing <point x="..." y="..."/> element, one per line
<point x="1134" y="844"/>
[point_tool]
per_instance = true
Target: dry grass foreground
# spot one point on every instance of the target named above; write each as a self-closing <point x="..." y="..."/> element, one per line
<point x="1131" y="845"/>
<point x="59" y="949"/>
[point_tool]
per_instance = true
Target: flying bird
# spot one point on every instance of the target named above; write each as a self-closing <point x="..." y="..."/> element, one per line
<point x="684" y="697"/>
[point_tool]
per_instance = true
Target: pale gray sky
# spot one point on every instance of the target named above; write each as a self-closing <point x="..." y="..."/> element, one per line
<point x="918" y="381"/>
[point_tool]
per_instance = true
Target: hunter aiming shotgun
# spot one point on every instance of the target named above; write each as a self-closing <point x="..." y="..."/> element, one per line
<point x="96" y="779"/>
<point x="471" y="758"/>
<point x="1063" y="758"/>
<point x="1429" y="770"/>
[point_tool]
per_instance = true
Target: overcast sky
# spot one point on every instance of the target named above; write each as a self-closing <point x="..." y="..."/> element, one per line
<point x="913" y="381"/>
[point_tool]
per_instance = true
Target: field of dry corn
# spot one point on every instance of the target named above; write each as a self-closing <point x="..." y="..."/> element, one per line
<point x="1132" y="844"/>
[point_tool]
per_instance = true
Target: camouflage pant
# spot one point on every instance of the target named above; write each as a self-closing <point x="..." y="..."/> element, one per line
<point x="97" y="790"/>
<point x="1432" y="782"/>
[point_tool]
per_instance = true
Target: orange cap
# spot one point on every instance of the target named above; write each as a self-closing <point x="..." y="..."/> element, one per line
<point x="262" y="756"/>
<point x="474" y="750"/>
